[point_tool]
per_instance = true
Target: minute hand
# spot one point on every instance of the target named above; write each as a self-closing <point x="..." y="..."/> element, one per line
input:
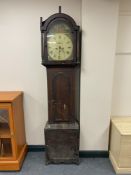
<point x="59" y="51"/>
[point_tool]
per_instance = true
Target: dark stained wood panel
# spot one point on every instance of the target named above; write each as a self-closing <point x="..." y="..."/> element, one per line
<point x="62" y="143"/>
<point x="61" y="94"/>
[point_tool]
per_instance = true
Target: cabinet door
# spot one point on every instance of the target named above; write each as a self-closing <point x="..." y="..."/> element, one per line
<point x="7" y="144"/>
<point x="61" y="94"/>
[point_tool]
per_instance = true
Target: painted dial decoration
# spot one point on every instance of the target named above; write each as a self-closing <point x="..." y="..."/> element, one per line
<point x="59" y="43"/>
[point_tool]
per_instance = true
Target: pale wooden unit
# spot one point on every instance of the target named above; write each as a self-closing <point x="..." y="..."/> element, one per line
<point x="13" y="146"/>
<point x="120" y="144"/>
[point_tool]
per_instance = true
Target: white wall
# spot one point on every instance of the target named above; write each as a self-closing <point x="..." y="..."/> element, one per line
<point x="121" y="101"/>
<point x="21" y="69"/>
<point x="99" y="24"/>
<point x="20" y="56"/>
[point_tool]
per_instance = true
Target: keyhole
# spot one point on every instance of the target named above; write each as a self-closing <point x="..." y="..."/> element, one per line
<point x="64" y="106"/>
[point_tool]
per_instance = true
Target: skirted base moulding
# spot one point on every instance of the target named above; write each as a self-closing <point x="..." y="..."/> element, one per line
<point x="14" y="165"/>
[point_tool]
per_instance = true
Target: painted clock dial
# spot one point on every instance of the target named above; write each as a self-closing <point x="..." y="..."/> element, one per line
<point x="59" y="42"/>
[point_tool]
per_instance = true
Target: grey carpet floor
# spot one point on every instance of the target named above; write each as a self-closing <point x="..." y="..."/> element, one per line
<point x="34" y="164"/>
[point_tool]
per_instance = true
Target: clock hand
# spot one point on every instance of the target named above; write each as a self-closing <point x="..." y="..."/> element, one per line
<point x="59" y="51"/>
<point x="63" y="51"/>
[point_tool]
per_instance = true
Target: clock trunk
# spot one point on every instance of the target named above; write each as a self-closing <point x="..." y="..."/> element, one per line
<point x="63" y="92"/>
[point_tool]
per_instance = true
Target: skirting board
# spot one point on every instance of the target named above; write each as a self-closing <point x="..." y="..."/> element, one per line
<point x="83" y="154"/>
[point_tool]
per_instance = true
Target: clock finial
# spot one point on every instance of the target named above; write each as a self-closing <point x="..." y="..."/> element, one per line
<point x="59" y="9"/>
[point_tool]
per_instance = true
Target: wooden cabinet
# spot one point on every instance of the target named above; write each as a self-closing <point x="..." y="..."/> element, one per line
<point x="13" y="146"/>
<point x="120" y="144"/>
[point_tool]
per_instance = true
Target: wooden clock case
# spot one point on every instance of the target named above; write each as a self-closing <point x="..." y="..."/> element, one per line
<point x="63" y="79"/>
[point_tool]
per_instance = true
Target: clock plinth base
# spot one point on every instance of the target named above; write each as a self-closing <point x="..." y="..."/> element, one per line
<point x="62" y="143"/>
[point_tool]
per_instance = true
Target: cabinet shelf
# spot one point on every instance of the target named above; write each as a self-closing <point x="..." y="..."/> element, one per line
<point x="5" y="148"/>
<point x="4" y="130"/>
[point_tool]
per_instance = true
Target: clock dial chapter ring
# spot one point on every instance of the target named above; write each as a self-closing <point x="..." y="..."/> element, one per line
<point x="60" y="47"/>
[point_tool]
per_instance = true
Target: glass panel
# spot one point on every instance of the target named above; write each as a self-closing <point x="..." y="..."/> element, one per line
<point x="4" y="123"/>
<point x="5" y="148"/>
<point x="60" y="42"/>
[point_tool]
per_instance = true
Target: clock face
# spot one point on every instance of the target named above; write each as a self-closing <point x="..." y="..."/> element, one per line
<point x="59" y="43"/>
<point x="60" y="47"/>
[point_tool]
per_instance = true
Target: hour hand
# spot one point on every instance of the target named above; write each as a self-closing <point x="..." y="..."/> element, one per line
<point x="63" y="50"/>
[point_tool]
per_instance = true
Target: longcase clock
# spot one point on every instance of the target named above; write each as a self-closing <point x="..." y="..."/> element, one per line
<point x="60" y="48"/>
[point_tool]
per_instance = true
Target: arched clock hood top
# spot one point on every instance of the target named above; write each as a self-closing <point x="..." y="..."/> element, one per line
<point x="58" y="16"/>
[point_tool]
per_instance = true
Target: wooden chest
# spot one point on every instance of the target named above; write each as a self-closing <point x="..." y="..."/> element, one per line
<point x="120" y="144"/>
